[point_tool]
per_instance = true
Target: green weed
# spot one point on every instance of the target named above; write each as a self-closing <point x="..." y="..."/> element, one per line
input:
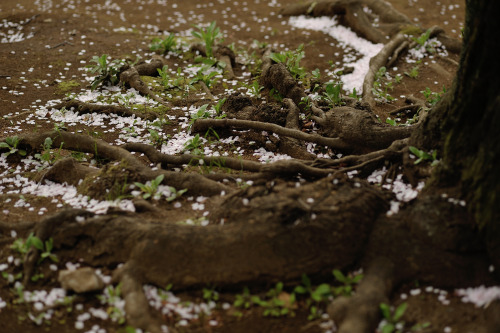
<point x="165" y="45"/>
<point x="413" y="73"/>
<point x="433" y="97"/>
<point x="150" y="189"/>
<point x="333" y="94"/>
<point x="291" y="59"/>
<point x="392" y="322"/>
<point x="424" y="156"/>
<point x="106" y="71"/>
<point x="210" y="36"/>
<point x="11" y="144"/>
<point x="194" y="145"/>
<point x="23" y="246"/>
<point x="382" y="87"/>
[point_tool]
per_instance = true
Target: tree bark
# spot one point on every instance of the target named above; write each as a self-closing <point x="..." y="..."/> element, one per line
<point x="466" y="124"/>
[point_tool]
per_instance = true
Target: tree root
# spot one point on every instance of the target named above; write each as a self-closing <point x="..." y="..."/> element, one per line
<point x="44" y="230"/>
<point x="360" y="313"/>
<point x="353" y="15"/>
<point x="83" y="108"/>
<point x="136" y="304"/>
<point x="68" y="171"/>
<point x="287" y="231"/>
<point x="224" y="162"/>
<point x="132" y="78"/>
<point x="378" y="61"/>
<point x="196" y="183"/>
<point x="366" y="163"/>
<point x="361" y="129"/>
<point x="223" y="53"/>
<point x="202" y="125"/>
<point x="279" y="77"/>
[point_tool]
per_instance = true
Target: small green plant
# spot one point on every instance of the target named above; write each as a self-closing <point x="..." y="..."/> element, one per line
<point x="175" y="194"/>
<point x="11" y="143"/>
<point x="210" y="36"/>
<point x="354" y="94"/>
<point x="113" y="299"/>
<point x="413" y="73"/>
<point x="275" y="306"/>
<point x="218" y="108"/>
<point x="156" y="139"/>
<point x="46" y="155"/>
<point x="255" y="88"/>
<point x="333" y="94"/>
<point x="194" y="145"/>
<point x="79" y="156"/>
<point x="423" y="38"/>
<point x="165" y="45"/>
<point x="209" y="79"/>
<point x="348" y="283"/>
<point x="433" y="97"/>
<point x="275" y="94"/>
<point x="291" y="59"/>
<point x="23" y="246"/>
<point x="210" y="295"/>
<point x="424" y="156"/>
<point x="164" y="76"/>
<point x="106" y="71"/>
<point x="245" y="300"/>
<point x="306" y="102"/>
<point x="391" y="122"/>
<point x="382" y="87"/>
<point x="150" y="189"/>
<point x="202" y="113"/>
<point x="125" y="100"/>
<point x="317" y="295"/>
<point x="316" y="74"/>
<point x="393" y="322"/>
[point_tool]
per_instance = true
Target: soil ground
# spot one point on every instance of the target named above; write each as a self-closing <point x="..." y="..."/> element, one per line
<point x="59" y="39"/>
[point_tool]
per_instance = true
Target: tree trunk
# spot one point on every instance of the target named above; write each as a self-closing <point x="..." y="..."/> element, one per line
<point x="467" y="124"/>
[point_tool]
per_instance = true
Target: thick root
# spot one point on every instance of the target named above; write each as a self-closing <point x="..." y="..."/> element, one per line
<point x="360" y="313"/>
<point x="83" y="108"/>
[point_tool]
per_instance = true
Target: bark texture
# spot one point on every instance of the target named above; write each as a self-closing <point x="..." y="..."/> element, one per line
<point x="466" y="123"/>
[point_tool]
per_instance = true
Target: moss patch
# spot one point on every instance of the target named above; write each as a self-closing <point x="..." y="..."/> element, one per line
<point x="66" y="86"/>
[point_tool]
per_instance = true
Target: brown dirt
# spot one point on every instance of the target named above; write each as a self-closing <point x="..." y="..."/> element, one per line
<point x="30" y="73"/>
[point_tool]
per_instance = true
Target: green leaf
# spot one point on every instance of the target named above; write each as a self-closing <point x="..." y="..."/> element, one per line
<point x="37" y="243"/>
<point x="339" y="276"/>
<point x="300" y="290"/>
<point x="386" y="311"/>
<point x="357" y="278"/>
<point x="4" y="145"/>
<point x="388" y="328"/>
<point x="400" y="310"/>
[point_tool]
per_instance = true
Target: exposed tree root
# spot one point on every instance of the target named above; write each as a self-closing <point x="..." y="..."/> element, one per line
<point x="66" y="171"/>
<point x="223" y="53"/>
<point x="361" y="129"/>
<point x="137" y="306"/>
<point x="378" y="61"/>
<point x="303" y="227"/>
<point x="132" y="78"/>
<point x="202" y="125"/>
<point x="360" y="313"/>
<point x="366" y="163"/>
<point x="196" y="183"/>
<point x="279" y="77"/>
<point x="187" y="159"/>
<point x="83" y="108"/>
<point x="43" y="230"/>
<point x="353" y="15"/>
